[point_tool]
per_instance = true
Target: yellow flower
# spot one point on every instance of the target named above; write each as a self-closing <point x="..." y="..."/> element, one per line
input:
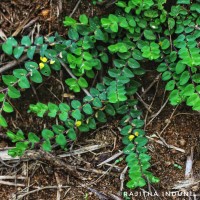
<point x="41" y="65"/>
<point x="52" y="62"/>
<point x="78" y="123"/>
<point x="43" y="59"/>
<point x="131" y="137"/>
<point x="136" y="133"/>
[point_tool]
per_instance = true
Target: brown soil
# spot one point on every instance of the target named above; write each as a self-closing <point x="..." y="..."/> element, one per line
<point x="167" y="163"/>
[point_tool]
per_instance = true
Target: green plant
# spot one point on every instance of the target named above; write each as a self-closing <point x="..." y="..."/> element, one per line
<point x="95" y="1"/>
<point x="119" y="44"/>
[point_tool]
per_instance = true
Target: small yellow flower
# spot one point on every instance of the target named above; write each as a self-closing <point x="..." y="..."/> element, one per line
<point x="160" y="43"/>
<point x="131" y="137"/>
<point x="52" y="62"/>
<point x="43" y="59"/>
<point x="41" y="65"/>
<point x="78" y="123"/>
<point x="136" y="133"/>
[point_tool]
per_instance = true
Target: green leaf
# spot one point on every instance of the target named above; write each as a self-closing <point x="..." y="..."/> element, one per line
<point x="56" y="65"/>
<point x="166" y="76"/>
<point x="76" y="104"/>
<point x="3" y="122"/>
<point x="140" y="182"/>
<point x="126" y="130"/>
<point x="58" y="129"/>
<point x="47" y="134"/>
<point x="19" y="136"/>
<point x="69" y="21"/>
<point x="18" y="51"/>
<point x="46" y="71"/>
<point x="151" y="52"/>
<point x="185" y="76"/>
<point x="73" y="34"/>
<point x="105" y="22"/>
<point x="7" y="48"/>
<point x="83" y="19"/>
<point x="162" y="67"/>
<point x="46" y="145"/>
<point x="36" y="76"/>
<point x="183" y="2"/>
<point x="63" y="116"/>
<point x="137" y="123"/>
<point x="188" y="90"/>
<point x="195" y="7"/>
<point x="84" y="128"/>
<point x="31" y="65"/>
<point x="18" y="73"/>
<point x="173" y="56"/>
<point x="53" y="109"/>
<point x="101" y="117"/>
<point x="13" y="92"/>
<point x="73" y="85"/>
<point x="7" y="107"/>
<point x="174" y="97"/>
<point x="33" y="138"/>
<point x="165" y="44"/>
<point x="2" y="97"/>
<point x="99" y="35"/>
<point x="31" y="52"/>
<point x="71" y="134"/>
<point x="88" y="109"/>
<point x="91" y="123"/>
<point x="76" y="114"/>
<point x="23" y="82"/>
<point x="180" y="67"/>
<point x="64" y="107"/>
<point x="26" y="41"/>
<point x="171" y="23"/>
<point x="40" y="109"/>
<point x="170" y="85"/>
<point x="97" y="102"/>
<point x="133" y="63"/>
<point x="129" y="148"/>
<point x="196" y="78"/>
<point x="9" y="79"/>
<point x="149" y="35"/>
<point x="191" y="101"/>
<point x="141" y="141"/>
<point x="39" y="41"/>
<point x="11" y="135"/>
<point x="82" y="82"/>
<point x="61" y="140"/>
<point x="110" y="110"/>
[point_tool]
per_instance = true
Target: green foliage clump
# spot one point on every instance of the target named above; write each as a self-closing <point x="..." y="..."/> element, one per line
<point x="119" y="44"/>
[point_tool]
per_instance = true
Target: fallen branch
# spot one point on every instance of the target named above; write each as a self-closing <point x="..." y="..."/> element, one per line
<point x="12" y="177"/>
<point x="11" y="184"/>
<point x="111" y="158"/>
<point x="5" y="157"/>
<point x="165" y="144"/>
<point x="12" y="64"/>
<point x="54" y="161"/>
<point x="37" y="190"/>
<point x="75" y="8"/>
<point x="189" y="163"/>
<point x="83" y="150"/>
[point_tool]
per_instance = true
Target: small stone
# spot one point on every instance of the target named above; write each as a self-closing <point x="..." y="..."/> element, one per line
<point x="173" y="151"/>
<point x="167" y="164"/>
<point x="167" y="121"/>
<point x="195" y="188"/>
<point x="182" y="142"/>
